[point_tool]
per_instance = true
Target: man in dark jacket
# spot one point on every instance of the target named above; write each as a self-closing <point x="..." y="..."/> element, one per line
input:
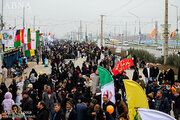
<point x="155" y="71"/>
<point x="176" y="105"/>
<point x="147" y="73"/>
<point x="34" y="96"/>
<point x="43" y="113"/>
<point x="106" y="103"/>
<point x="49" y="98"/>
<point x="161" y="103"/>
<point x="170" y="76"/>
<point x="154" y="88"/>
<point x="98" y="112"/>
<point x="70" y="113"/>
<point x="27" y="105"/>
<point x="59" y="113"/>
<point x="91" y="109"/>
<point x="82" y="109"/>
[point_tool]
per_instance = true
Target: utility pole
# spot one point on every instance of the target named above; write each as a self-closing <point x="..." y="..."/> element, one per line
<point x="156" y="27"/>
<point x="177" y="30"/>
<point x="2" y="15"/>
<point x="80" y="31"/>
<point x="115" y="32"/>
<point x="79" y="34"/>
<point x="15" y="22"/>
<point x="34" y="22"/>
<point x="135" y="32"/>
<point x="23" y="17"/>
<point x="126" y="31"/>
<point x="102" y="30"/>
<point x="139" y="25"/>
<point x="86" y="34"/>
<point x="139" y="31"/>
<point x="166" y="33"/>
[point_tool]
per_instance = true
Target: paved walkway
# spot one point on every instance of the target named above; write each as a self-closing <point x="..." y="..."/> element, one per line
<point x="47" y="70"/>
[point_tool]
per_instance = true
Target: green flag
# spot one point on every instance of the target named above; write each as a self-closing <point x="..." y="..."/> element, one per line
<point x="107" y="84"/>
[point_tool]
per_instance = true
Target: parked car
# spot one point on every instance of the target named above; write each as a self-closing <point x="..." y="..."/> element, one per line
<point x="125" y="43"/>
<point x="159" y="48"/>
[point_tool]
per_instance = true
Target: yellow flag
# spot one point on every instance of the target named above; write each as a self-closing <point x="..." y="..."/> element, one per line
<point x="136" y="97"/>
<point x="0" y="36"/>
<point x="32" y="52"/>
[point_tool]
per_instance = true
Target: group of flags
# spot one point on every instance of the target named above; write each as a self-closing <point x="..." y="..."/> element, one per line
<point x="173" y="35"/>
<point x="16" y="38"/>
<point x="136" y="98"/>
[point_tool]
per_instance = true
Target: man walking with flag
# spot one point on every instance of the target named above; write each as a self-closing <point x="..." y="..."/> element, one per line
<point x="107" y="89"/>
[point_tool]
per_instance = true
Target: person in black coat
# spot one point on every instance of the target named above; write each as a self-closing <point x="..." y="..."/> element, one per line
<point x="162" y="76"/>
<point x="13" y="89"/>
<point x="170" y="76"/>
<point x="151" y="103"/>
<point x="98" y="112"/>
<point x="43" y="113"/>
<point x="70" y="113"/>
<point x="27" y="105"/>
<point x="154" y="71"/>
<point x="161" y="103"/>
<point x="3" y="90"/>
<point x="59" y="113"/>
<point x="33" y="71"/>
<point x="106" y="103"/>
<point x="135" y="74"/>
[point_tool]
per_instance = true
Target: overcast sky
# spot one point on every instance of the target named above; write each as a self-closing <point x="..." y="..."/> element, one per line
<point x="62" y="16"/>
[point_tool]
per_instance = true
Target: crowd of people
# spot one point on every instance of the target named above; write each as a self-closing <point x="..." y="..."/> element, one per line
<point x="73" y="93"/>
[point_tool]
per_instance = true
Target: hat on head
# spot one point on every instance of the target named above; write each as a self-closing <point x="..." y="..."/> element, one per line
<point x="94" y="101"/>
<point x="70" y="102"/>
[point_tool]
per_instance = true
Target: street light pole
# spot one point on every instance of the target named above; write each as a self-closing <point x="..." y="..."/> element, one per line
<point x="177" y="30"/>
<point x="166" y="33"/>
<point x="23" y="17"/>
<point x="2" y="15"/>
<point x="139" y="25"/>
<point x="102" y="30"/>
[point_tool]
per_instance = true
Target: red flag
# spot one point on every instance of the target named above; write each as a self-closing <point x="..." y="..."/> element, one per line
<point x="153" y="33"/>
<point x="22" y="36"/>
<point x="173" y="35"/>
<point x="123" y="65"/>
<point x="40" y="34"/>
<point x="17" y="38"/>
<point x="29" y="44"/>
